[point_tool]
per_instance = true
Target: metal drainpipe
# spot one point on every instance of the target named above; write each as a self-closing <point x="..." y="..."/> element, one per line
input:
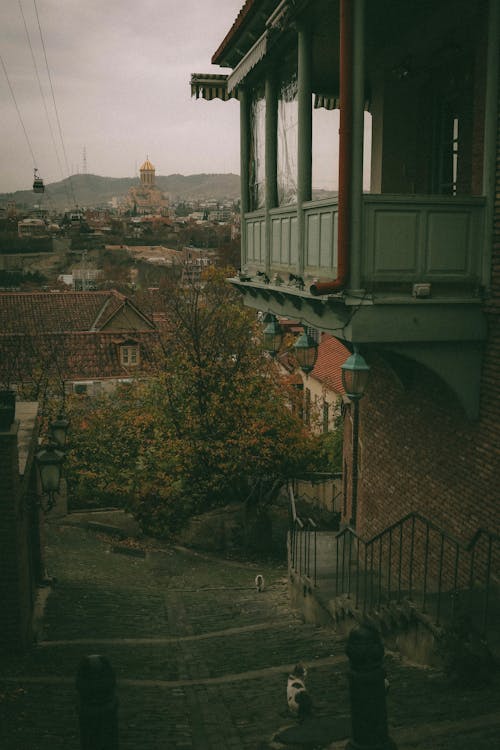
<point x="351" y="140"/>
<point x="345" y="151"/>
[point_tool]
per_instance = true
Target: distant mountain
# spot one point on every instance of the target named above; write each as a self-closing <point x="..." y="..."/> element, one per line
<point x="88" y="190"/>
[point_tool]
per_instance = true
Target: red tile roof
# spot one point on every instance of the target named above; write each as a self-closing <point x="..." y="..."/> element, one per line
<point x="80" y="355"/>
<point x="331" y="355"/>
<point x="60" y="334"/>
<point x="47" y="312"/>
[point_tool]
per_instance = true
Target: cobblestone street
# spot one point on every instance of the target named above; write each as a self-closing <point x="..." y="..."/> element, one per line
<point x="201" y="657"/>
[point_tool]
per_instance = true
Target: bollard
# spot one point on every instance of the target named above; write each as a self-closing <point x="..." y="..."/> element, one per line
<point x="98" y="704"/>
<point x="367" y="691"/>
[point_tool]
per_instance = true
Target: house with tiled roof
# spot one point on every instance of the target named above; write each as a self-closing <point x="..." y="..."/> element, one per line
<point x="324" y="393"/>
<point x="83" y="341"/>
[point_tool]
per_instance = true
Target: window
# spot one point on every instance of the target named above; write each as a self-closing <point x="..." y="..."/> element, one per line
<point x="258" y="142"/>
<point x="287" y="141"/>
<point x="448" y="151"/>
<point x="326" y="415"/>
<point x="307" y="406"/>
<point x="129" y="355"/>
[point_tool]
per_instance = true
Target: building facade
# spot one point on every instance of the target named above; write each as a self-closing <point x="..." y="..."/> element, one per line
<point x="408" y="272"/>
<point x="81" y="342"/>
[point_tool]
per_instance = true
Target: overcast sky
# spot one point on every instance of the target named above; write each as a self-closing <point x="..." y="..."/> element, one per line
<point x="120" y="73"/>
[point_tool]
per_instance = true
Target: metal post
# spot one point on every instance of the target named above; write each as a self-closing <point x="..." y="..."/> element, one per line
<point x="98" y="704"/>
<point x="367" y="690"/>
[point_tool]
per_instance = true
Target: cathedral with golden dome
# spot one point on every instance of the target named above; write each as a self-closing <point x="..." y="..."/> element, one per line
<point x="147" y="198"/>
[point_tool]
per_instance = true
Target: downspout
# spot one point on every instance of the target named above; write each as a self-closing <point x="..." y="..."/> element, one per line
<point x="345" y="152"/>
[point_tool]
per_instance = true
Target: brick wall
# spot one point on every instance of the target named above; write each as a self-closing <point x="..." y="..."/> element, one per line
<point x="418" y="452"/>
<point x="20" y="548"/>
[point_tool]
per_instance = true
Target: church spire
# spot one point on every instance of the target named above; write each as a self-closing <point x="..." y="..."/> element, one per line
<point x="147" y="172"/>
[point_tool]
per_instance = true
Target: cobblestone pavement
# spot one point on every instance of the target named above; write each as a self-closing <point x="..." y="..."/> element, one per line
<point x="201" y="658"/>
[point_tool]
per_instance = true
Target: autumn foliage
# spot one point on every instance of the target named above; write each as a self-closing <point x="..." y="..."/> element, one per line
<point x="215" y="421"/>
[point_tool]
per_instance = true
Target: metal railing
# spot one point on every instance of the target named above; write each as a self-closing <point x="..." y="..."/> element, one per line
<point x="303" y="543"/>
<point x="412" y="560"/>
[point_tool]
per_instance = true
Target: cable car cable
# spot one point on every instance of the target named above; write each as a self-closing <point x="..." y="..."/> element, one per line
<point x="18" y="112"/>
<point x="54" y="102"/>
<point x="35" y="66"/>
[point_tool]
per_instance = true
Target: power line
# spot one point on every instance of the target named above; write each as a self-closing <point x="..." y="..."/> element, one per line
<point x="42" y="94"/>
<point x="18" y="112"/>
<point x="54" y="102"/>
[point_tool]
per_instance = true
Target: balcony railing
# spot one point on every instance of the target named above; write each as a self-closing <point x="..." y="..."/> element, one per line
<point x="406" y="238"/>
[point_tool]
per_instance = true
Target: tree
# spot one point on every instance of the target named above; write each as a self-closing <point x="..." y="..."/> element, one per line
<point x="214" y="426"/>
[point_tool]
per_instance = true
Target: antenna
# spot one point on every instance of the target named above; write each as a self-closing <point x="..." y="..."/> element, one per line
<point x="84" y="169"/>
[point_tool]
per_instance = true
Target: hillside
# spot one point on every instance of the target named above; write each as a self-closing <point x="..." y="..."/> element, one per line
<point x="93" y="190"/>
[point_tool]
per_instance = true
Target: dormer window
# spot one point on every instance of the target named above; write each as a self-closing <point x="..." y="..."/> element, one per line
<point x="129" y="355"/>
<point x="129" y="351"/>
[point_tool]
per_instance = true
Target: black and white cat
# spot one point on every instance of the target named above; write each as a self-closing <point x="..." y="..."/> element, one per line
<point x="298" y="699"/>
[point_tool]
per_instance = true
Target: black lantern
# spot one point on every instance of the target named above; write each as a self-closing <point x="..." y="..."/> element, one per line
<point x="49" y="460"/>
<point x="272" y="335"/>
<point x="306" y="352"/>
<point x="59" y="430"/>
<point x="355" y="374"/>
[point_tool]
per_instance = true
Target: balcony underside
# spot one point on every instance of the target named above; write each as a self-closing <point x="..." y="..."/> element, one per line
<point x="445" y="335"/>
<point x="406" y="240"/>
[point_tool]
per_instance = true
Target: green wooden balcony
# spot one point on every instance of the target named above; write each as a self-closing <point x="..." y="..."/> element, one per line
<point x="421" y="263"/>
<point x="406" y="240"/>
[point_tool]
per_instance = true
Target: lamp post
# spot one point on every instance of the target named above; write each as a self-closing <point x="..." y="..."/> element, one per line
<point x="306" y="352"/>
<point x="59" y="430"/>
<point x="355" y="373"/>
<point x="49" y="460"/>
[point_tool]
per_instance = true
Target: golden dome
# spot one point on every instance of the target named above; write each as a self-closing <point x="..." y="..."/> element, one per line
<point x="147" y="167"/>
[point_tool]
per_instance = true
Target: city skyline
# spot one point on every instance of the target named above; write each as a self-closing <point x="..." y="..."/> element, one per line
<point x="115" y="89"/>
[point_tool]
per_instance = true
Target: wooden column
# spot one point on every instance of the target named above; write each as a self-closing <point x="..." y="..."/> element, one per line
<point x="271" y="94"/>
<point x="244" y="99"/>
<point x="304" y="156"/>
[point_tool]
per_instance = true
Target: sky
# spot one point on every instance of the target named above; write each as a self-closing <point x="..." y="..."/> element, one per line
<point x="120" y="74"/>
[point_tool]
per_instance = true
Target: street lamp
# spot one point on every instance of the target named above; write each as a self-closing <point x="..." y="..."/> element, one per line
<point x="272" y="335"/>
<point x="49" y="460"/>
<point x="59" y="430"/>
<point x="306" y="352"/>
<point x="355" y="374"/>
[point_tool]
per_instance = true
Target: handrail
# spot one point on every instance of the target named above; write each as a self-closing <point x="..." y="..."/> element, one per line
<point x="479" y="533"/>
<point x="412" y="559"/>
<point x="418" y="516"/>
<point x="292" y="502"/>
